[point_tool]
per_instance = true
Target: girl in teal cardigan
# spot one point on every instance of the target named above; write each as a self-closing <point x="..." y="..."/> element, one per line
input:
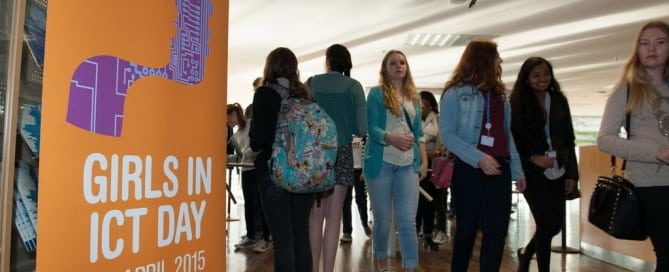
<point x="395" y="158"/>
<point x="376" y="121"/>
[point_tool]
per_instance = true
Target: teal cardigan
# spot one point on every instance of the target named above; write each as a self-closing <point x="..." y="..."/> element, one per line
<point x="376" y="125"/>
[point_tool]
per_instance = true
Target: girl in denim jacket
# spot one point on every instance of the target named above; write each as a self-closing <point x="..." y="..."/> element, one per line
<point x="475" y="127"/>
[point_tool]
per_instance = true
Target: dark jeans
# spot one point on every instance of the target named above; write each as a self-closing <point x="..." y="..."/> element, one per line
<point x="252" y="205"/>
<point x="360" y="201"/>
<point x="451" y="204"/>
<point x="480" y="200"/>
<point x="654" y="201"/>
<point x="547" y="203"/>
<point x="288" y="220"/>
<point x="440" y="209"/>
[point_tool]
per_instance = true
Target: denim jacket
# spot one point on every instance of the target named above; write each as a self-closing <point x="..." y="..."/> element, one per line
<point x="461" y="115"/>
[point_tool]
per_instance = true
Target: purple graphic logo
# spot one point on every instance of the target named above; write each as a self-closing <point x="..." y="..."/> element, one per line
<point x="99" y="84"/>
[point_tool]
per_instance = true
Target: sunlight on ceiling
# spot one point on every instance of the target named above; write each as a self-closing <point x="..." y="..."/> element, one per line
<point x="587" y="41"/>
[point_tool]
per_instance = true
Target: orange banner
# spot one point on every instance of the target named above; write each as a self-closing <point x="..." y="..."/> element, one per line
<point x="132" y="160"/>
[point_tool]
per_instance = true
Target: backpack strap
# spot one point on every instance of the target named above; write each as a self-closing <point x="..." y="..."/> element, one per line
<point x="283" y="92"/>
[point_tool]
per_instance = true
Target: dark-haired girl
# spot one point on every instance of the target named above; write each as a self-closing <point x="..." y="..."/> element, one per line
<point x="543" y="132"/>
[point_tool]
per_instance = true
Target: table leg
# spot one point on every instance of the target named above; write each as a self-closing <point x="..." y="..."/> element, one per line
<point x="231" y="197"/>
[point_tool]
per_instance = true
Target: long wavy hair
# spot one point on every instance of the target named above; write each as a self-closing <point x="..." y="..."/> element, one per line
<point x="389" y="100"/>
<point x="635" y="74"/>
<point x="281" y="62"/>
<point x="523" y="99"/>
<point x="477" y="67"/>
<point x="339" y="59"/>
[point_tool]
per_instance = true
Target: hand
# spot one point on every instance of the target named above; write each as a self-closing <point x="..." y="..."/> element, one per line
<point x="403" y="142"/>
<point x="542" y="161"/>
<point x="489" y="165"/>
<point x="569" y="186"/>
<point x="521" y="185"/>
<point x="423" y="171"/>
<point x="433" y="154"/>
<point x="663" y="154"/>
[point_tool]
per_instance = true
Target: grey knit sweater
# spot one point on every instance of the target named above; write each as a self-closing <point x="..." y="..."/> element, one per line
<point x="643" y="168"/>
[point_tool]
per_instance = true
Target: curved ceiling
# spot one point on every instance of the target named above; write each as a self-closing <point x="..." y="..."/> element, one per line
<point x="586" y="41"/>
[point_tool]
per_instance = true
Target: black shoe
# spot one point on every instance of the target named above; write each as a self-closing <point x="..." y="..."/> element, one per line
<point x="428" y="244"/>
<point x="523" y="261"/>
<point x="346" y="238"/>
<point x="368" y="230"/>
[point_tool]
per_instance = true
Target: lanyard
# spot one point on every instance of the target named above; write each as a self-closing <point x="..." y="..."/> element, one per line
<point x="488" y="125"/>
<point x="547" y="130"/>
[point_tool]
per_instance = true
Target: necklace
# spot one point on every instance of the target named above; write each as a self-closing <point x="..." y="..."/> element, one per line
<point x="660" y="105"/>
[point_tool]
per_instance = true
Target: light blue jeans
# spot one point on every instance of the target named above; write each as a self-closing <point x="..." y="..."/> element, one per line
<point x="396" y="187"/>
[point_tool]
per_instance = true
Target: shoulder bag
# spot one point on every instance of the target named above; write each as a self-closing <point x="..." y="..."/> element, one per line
<point x="442" y="171"/>
<point x="615" y="206"/>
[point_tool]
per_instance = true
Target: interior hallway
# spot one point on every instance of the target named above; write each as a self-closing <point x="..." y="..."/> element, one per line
<point x="356" y="256"/>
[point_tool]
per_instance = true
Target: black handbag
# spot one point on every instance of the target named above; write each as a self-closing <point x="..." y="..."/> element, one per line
<point x="615" y="206"/>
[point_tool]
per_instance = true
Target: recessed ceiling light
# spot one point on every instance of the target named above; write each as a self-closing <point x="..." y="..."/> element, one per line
<point x="457" y="1"/>
<point x="441" y="39"/>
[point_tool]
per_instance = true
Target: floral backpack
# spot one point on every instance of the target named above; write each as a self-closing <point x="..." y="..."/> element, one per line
<point x="305" y="147"/>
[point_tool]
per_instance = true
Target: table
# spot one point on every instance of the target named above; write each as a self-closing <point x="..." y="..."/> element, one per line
<point x="228" y="186"/>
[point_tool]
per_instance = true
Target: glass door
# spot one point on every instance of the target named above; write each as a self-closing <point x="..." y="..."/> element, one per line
<point x="27" y="139"/>
<point x="22" y="29"/>
<point x="5" y="191"/>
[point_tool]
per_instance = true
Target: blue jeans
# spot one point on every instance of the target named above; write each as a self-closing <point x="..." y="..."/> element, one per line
<point x="396" y="187"/>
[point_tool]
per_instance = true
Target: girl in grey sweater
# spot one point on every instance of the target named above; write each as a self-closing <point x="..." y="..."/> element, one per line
<point x="644" y="91"/>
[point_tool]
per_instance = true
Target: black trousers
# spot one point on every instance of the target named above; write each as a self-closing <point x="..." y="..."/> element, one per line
<point x="440" y="209"/>
<point x="547" y="203"/>
<point x="360" y="201"/>
<point x="288" y="220"/>
<point x="252" y="205"/>
<point x="483" y="201"/>
<point x="426" y="209"/>
<point x="654" y="201"/>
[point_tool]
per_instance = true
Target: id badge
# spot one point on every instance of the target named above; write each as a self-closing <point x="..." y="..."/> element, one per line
<point x="551" y="154"/>
<point x="487" y="140"/>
